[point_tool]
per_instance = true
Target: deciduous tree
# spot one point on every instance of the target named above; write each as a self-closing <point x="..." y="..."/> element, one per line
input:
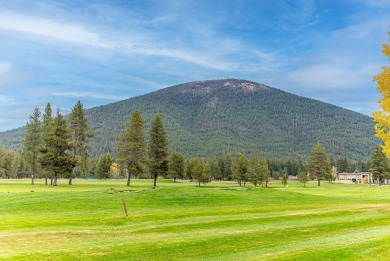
<point x="382" y="118"/>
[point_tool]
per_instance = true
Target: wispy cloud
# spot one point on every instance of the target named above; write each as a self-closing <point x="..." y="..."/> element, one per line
<point x="100" y="51"/>
<point x="7" y="101"/>
<point x="332" y="75"/>
<point x="5" y="67"/>
<point x="89" y="95"/>
<point x="52" y="29"/>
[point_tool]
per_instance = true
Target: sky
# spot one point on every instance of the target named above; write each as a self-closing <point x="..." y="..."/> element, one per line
<point x="100" y="52"/>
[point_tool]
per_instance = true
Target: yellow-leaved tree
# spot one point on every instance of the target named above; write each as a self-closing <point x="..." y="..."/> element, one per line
<point x="382" y="118"/>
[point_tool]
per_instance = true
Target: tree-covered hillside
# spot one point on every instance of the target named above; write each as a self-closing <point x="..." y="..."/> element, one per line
<point x="209" y="118"/>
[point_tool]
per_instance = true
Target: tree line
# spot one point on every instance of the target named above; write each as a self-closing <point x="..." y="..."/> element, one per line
<point x="55" y="147"/>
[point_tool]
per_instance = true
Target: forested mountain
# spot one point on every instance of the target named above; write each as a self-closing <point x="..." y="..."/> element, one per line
<point x="209" y="118"/>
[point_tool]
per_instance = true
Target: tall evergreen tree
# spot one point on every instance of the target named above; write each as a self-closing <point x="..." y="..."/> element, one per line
<point x="55" y="156"/>
<point x="197" y="168"/>
<point x="19" y="167"/>
<point x="241" y="169"/>
<point x="131" y="147"/>
<point x="227" y="172"/>
<point x="342" y="164"/>
<point x="319" y="165"/>
<point x="176" y="166"/>
<point x="255" y="169"/>
<point x="214" y="169"/>
<point x="380" y="168"/>
<point x="47" y="122"/>
<point x="265" y="172"/>
<point x="32" y="143"/>
<point x="81" y="132"/>
<point x="158" y="149"/>
<point x="102" y="170"/>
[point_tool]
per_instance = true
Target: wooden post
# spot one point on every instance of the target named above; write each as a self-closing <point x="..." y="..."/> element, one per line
<point x="124" y="207"/>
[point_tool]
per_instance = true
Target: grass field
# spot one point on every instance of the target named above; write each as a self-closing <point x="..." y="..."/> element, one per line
<point x="180" y="221"/>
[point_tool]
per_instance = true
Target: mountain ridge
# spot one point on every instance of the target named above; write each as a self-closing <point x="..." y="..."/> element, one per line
<point x="209" y="118"/>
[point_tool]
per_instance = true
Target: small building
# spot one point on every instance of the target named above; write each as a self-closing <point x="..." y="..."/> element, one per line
<point x="355" y="178"/>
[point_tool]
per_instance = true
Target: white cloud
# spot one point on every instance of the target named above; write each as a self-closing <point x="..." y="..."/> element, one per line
<point x="7" y="101"/>
<point x="90" y="95"/>
<point x="376" y="3"/>
<point x="188" y="56"/>
<point x="332" y="75"/>
<point x="363" y="32"/>
<point x="61" y="31"/>
<point x="5" y="67"/>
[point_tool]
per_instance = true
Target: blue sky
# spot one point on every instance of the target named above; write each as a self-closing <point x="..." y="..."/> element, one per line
<point x="104" y="51"/>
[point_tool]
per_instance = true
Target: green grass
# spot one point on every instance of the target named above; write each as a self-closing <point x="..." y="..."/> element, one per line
<point x="180" y="221"/>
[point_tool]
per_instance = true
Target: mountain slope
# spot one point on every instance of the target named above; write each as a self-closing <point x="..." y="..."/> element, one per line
<point x="208" y="118"/>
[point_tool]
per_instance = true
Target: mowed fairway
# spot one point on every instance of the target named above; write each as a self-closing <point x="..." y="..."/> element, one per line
<point x="180" y="221"/>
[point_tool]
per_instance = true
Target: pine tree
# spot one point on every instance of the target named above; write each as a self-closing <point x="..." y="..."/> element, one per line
<point x="198" y="170"/>
<point x="255" y="169"/>
<point x="382" y="118"/>
<point x="19" y="167"/>
<point x="265" y="172"/>
<point x="319" y="165"/>
<point x="214" y="169"/>
<point x="241" y="169"/>
<point x="227" y="172"/>
<point x="303" y="177"/>
<point x="55" y="156"/>
<point x="81" y="132"/>
<point x="103" y="165"/>
<point x="131" y="147"/>
<point x="176" y="166"/>
<point x="158" y="149"/>
<point x="47" y="122"/>
<point x="32" y="143"/>
<point x="284" y="180"/>
<point x="380" y="168"/>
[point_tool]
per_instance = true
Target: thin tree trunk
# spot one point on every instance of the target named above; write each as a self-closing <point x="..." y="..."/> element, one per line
<point x="319" y="182"/>
<point x="55" y="180"/>
<point x="174" y="179"/>
<point x="51" y="180"/>
<point x="155" y="180"/>
<point x="70" y="181"/>
<point x="128" y="180"/>
<point x="32" y="179"/>
<point x="45" y="181"/>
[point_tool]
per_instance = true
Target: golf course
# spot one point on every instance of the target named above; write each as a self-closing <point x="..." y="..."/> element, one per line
<point x="181" y="221"/>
